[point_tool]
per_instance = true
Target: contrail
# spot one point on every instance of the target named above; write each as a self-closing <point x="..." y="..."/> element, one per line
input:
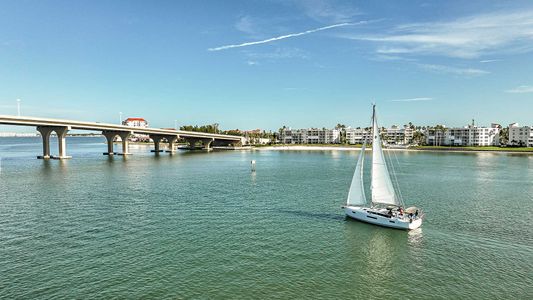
<point x="282" y="37"/>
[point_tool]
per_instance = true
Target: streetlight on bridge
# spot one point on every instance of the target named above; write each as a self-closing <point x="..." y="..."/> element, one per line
<point x="120" y="118"/>
<point x="18" y="107"/>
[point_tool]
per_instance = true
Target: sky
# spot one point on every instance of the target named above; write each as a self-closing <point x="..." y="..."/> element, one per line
<point x="264" y="64"/>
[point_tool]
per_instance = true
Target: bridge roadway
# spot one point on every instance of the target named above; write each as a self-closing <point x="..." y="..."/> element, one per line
<point x="46" y="126"/>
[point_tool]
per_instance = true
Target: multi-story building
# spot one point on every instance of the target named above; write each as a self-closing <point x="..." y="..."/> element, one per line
<point x="393" y="135"/>
<point x="310" y="136"/>
<point x="357" y="135"/>
<point x="135" y="122"/>
<point x="398" y="136"/>
<point x="520" y="136"/>
<point x="470" y="135"/>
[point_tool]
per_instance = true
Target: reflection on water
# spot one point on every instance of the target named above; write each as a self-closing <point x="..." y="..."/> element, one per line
<point x="253" y="176"/>
<point x="381" y="255"/>
<point x="415" y="237"/>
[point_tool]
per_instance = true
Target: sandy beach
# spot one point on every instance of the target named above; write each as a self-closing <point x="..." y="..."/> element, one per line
<point x="344" y="148"/>
<point x="310" y="148"/>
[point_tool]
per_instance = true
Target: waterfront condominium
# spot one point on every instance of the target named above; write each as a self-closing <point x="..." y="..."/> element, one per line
<point x="470" y="135"/>
<point x="520" y="136"/>
<point x="398" y="136"/>
<point x="357" y="135"/>
<point x="310" y="136"/>
<point x="394" y="135"/>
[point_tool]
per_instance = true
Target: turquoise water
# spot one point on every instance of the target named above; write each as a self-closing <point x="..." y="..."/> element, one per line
<point x="201" y="225"/>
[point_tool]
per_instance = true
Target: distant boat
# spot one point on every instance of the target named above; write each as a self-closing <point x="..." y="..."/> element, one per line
<point x="385" y="208"/>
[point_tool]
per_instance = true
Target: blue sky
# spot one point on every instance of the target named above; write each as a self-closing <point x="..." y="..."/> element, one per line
<point x="264" y="64"/>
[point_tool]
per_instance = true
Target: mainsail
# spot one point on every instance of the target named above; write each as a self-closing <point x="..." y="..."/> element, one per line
<point x="356" y="195"/>
<point x="382" y="188"/>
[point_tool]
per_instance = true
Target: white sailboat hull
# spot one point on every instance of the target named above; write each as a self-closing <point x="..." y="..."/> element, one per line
<point x="377" y="217"/>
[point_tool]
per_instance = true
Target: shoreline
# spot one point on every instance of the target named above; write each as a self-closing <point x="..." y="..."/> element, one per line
<point x="348" y="148"/>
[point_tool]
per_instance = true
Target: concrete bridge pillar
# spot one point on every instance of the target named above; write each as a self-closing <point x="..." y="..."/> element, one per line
<point x="61" y="133"/>
<point x="171" y="143"/>
<point x="110" y="137"/>
<point x="125" y="144"/>
<point x="207" y="143"/>
<point x="157" y="142"/>
<point x="62" y="142"/>
<point x="45" y="135"/>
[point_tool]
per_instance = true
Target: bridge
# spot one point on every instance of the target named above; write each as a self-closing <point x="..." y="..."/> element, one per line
<point x="45" y="126"/>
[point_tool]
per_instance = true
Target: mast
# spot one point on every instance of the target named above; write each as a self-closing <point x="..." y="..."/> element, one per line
<point x="372" y="168"/>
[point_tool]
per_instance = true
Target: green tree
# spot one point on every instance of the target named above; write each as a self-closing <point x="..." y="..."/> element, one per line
<point x="342" y="133"/>
<point x="419" y="138"/>
<point x="504" y="136"/>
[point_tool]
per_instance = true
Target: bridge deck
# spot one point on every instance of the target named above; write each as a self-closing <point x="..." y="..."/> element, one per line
<point x="96" y="126"/>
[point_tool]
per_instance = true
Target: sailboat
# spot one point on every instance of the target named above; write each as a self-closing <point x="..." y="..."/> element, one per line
<point x="386" y="207"/>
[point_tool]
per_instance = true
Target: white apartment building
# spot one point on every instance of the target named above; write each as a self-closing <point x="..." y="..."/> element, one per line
<point x="256" y="141"/>
<point x="357" y="135"/>
<point x="310" y="136"/>
<point x="398" y="136"/>
<point x="393" y="135"/>
<point x="470" y="135"/>
<point x="520" y="136"/>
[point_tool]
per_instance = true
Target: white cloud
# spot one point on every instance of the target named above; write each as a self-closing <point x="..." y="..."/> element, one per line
<point x="246" y="25"/>
<point x="386" y="57"/>
<point x="521" y="89"/>
<point x="281" y="37"/>
<point x="252" y="63"/>
<point x="489" y="61"/>
<point x="453" y="70"/>
<point x="279" y="53"/>
<point x="412" y="99"/>
<point x="327" y="10"/>
<point x="468" y="37"/>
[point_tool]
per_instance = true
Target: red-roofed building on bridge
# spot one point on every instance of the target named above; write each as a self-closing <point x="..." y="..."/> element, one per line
<point x="135" y="122"/>
<point x="139" y="123"/>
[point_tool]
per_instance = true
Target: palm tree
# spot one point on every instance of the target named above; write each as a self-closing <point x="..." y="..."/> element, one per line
<point x="281" y="135"/>
<point x="439" y="131"/>
<point x="419" y="137"/>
